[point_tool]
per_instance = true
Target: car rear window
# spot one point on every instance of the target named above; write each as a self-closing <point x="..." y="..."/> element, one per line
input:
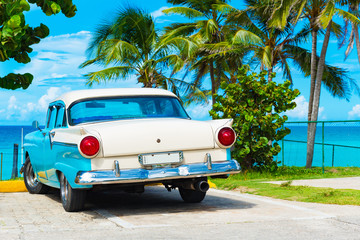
<point x="108" y="109"/>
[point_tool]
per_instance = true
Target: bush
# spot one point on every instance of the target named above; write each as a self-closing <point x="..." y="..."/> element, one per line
<point x="255" y="105"/>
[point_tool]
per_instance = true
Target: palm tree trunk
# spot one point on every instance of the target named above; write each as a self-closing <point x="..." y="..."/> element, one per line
<point x="356" y="33"/>
<point x="357" y="41"/>
<point x="309" y="157"/>
<point x="317" y="91"/>
<point x="269" y="74"/>
<point x="313" y="71"/>
<point x="213" y="85"/>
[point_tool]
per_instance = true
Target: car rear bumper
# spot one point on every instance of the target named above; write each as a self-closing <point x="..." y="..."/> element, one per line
<point x="159" y="174"/>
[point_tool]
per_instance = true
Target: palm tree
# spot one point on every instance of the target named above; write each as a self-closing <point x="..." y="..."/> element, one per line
<point x="354" y="34"/>
<point x="207" y="28"/>
<point x="272" y="47"/>
<point x="130" y="44"/>
<point x="320" y="15"/>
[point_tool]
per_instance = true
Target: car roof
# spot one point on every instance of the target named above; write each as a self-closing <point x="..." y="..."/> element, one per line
<point x="73" y="96"/>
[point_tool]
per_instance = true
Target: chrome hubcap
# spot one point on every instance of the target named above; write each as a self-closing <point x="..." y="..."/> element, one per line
<point x="30" y="176"/>
<point x="64" y="188"/>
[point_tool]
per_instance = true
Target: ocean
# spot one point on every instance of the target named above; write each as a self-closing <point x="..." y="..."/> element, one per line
<point x="342" y="145"/>
<point x="342" y="149"/>
<point x="10" y="135"/>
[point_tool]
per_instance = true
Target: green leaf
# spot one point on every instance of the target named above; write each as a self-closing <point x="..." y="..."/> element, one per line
<point x="25" y="5"/>
<point x="14" y="22"/>
<point x="55" y="8"/>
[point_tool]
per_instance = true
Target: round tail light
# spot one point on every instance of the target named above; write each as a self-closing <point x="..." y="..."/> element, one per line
<point x="226" y="136"/>
<point x="89" y="146"/>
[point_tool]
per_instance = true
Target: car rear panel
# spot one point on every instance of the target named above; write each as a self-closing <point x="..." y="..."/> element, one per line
<point x="129" y="137"/>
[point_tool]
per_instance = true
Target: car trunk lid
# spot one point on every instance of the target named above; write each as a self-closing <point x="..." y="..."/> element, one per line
<point x="129" y="137"/>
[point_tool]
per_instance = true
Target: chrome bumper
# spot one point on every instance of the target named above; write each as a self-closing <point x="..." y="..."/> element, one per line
<point x="160" y="174"/>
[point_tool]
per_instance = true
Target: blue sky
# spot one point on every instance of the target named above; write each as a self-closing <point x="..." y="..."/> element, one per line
<point x="55" y="62"/>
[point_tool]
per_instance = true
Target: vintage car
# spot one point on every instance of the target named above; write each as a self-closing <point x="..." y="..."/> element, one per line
<point x="125" y="138"/>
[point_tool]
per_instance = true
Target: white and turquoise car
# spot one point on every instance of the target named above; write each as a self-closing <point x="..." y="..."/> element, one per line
<point x="126" y="138"/>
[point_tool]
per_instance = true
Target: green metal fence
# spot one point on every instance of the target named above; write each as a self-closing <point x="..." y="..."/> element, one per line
<point x="337" y="143"/>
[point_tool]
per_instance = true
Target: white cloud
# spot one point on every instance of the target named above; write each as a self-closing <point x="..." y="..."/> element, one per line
<point x="21" y="111"/>
<point x="355" y="112"/>
<point x="158" y="13"/>
<point x="57" y="62"/>
<point x="199" y="111"/>
<point x="59" y="57"/>
<point x="301" y="110"/>
<point x="50" y="95"/>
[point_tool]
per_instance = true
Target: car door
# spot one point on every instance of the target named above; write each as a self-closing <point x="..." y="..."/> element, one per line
<point x="54" y="149"/>
<point x="44" y="145"/>
<point x="47" y="144"/>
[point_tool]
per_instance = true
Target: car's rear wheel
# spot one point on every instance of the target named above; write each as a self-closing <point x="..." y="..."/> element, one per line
<point x="191" y="196"/>
<point x="73" y="200"/>
<point x="31" y="182"/>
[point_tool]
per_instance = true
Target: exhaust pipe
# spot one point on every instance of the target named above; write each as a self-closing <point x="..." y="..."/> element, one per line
<point x="201" y="186"/>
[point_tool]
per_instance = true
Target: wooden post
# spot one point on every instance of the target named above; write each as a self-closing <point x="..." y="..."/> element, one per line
<point x="15" y="162"/>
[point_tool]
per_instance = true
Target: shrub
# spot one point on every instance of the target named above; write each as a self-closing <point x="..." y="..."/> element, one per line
<point x="256" y="106"/>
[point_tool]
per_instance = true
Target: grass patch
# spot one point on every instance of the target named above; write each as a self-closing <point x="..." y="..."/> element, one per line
<point x="252" y="182"/>
<point x="296" y="173"/>
<point x="16" y="179"/>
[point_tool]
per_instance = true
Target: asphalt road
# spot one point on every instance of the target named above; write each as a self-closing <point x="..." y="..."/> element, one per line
<point x="158" y="214"/>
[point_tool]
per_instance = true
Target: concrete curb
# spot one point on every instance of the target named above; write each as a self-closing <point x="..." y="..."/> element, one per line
<point x="12" y="186"/>
<point x="19" y="186"/>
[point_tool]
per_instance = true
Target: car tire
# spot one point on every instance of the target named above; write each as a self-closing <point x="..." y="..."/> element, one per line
<point x="73" y="200"/>
<point x="191" y="196"/>
<point x="31" y="183"/>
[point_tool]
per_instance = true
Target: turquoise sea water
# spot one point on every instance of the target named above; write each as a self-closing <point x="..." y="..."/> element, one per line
<point x="294" y="152"/>
<point x="8" y="136"/>
<point x="342" y="146"/>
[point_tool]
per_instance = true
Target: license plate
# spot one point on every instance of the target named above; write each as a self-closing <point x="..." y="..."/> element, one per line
<point x="161" y="158"/>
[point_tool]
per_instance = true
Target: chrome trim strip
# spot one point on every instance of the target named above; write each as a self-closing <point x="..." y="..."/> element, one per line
<point x="64" y="144"/>
<point x="143" y="175"/>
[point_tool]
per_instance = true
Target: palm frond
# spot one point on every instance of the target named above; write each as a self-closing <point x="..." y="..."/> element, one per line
<point x="267" y="57"/>
<point x="108" y="74"/>
<point x="327" y="14"/>
<point x="246" y="38"/>
<point x="185" y="11"/>
<point x="279" y="17"/>
<point x="116" y="50"/>
<point x="348" y="16"/>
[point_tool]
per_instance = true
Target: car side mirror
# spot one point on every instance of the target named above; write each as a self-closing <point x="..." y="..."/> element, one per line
<point x="35" y="124"/>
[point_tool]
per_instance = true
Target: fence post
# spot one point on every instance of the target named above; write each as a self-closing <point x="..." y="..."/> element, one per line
<point x="15" y="162"/>
<point x="333" y="156"/>
<point x="1" y="166"/>
<point x="323" y="148"/>
<point x="282" y="148"/>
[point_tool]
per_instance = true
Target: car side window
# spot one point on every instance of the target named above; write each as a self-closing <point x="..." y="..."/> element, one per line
<point x="52" y="117"/>
<point x="60" y="117"/>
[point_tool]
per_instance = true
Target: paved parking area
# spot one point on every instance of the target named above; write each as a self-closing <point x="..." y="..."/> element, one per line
<point x="158" y="214"/>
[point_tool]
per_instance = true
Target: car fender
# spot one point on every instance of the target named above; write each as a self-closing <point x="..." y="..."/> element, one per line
<point x="70" y="173"/>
